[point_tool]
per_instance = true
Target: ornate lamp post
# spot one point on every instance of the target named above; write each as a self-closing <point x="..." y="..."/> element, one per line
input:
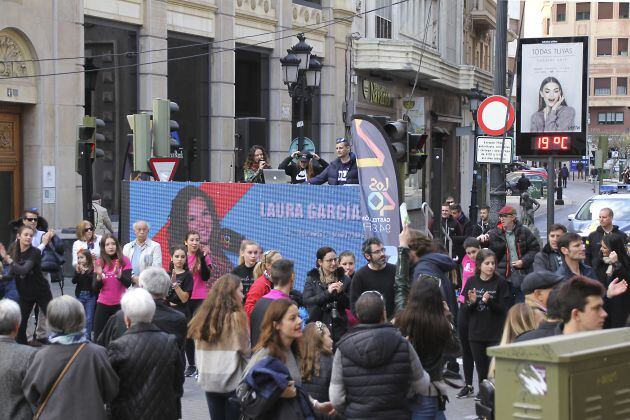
<point x="301" y="72"/>
<point x="475" y="97"/>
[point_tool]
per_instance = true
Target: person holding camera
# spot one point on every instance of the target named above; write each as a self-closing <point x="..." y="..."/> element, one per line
<point x="308" y="165"/>
<point x="325" y="293"/>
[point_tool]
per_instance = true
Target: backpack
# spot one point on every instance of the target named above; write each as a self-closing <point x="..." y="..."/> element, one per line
<point x="253" y="406"/>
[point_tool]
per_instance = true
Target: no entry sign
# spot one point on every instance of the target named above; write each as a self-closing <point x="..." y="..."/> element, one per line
<point x="492" y="113"/>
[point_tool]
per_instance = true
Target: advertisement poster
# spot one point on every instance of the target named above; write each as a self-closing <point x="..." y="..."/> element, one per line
<point x="293" y="219"/>
<point x="551" y="87"/>
<point x="379" y="187"/>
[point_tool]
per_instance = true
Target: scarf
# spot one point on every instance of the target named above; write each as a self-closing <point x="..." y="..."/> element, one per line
<point x="324" y="280"/>
<point x="68" y="339"/>
<point x="611" y="266"/>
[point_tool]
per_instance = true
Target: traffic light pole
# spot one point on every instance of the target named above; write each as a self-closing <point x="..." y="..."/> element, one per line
<point x="472" y="211"/>
<point x="87" y="182"/>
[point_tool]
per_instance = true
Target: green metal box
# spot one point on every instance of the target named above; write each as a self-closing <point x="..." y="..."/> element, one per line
<point x="584" y="376"/>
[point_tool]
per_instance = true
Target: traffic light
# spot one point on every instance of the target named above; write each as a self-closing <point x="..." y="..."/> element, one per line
<point x="194" y="149"/>
<point x="88" y="134"/>
<point x="415" y="157"/>
<point x="397" y="132"/>
<point x="140" y="125"/>
<point x="162" y="126"/>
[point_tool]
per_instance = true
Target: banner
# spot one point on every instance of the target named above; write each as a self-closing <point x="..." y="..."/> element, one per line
<point x="377" y="178"/>
<point x="293" y="219"/>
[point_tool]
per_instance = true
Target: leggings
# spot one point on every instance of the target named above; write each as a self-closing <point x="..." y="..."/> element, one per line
<point x="101" y="316"/>
<point x="41" y="298"/>
<point x="482" y="360"/>
<point x="193" y="305"/>
<point x="467" y="356"/>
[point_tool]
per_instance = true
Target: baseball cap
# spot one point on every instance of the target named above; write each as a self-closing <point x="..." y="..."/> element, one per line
<point x="507" y="210"/>
<point x="539" y="280"/>
<point x="341" y="140"/>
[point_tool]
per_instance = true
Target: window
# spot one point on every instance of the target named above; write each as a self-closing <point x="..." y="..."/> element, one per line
<point x="622" y="47"/>
<point x="604" y="47"/>
<point x="622" y="86"/>
<point x="602" y="86"/>
<point x="610" y="118"/>
<point x="604" y="10"/>
<point x="383" y="18"/>
<point x="583" y="11"/>
<point x="624" y="10"/>
<point x="561" y="12"/>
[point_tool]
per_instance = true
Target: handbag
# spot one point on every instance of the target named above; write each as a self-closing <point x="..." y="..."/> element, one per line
<point x="41" y="406"/>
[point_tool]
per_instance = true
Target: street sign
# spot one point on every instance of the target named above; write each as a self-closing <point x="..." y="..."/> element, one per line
<point x="491" y="115"/>
<point x="164" y="168"/>
<point x="488" y="150"/>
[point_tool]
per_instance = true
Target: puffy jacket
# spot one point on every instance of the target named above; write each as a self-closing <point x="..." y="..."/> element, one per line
<point x="547" y="260"/>
<point x="526" y="245"/>
<point x="318" y="386"/>
<point x="594" y="241"/>
<point x="149" y="366"/>
<point x="259" y="288"/>
<point x="320" y="303"/>
<point x="376" y="372"/>
<point x="331" y="173"/>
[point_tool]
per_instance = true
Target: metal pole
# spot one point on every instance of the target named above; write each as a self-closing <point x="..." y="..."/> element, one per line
<point x="472" y="212"/>
<point x="301" y="127"/>
<point x="87" y="182"/>
<point x="497" y="172"/>
<point x="551" y="184"/>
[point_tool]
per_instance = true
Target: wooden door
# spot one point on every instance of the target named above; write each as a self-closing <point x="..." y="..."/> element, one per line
<point x="10" y="168"/>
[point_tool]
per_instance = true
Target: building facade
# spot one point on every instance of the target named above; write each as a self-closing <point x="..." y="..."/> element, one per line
<point x="607" y="24"/>
<point x="218" y="59"/>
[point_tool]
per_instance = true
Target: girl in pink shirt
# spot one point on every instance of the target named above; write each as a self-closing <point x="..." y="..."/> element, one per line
<point x="113" y="277"/>
<point x="472" y="247"/>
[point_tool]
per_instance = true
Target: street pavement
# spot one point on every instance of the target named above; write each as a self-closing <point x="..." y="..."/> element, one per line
<point x="194" y="405"/>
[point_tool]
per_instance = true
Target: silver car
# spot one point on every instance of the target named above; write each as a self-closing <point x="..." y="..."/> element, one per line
<point x="586" y="220"/>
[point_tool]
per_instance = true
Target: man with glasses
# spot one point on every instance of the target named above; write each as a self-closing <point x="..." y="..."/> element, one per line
<point x="378" y="275"/>
<point x="515" y="246"/>
<point x="143" y="252"/>
<point x="342" y="170"/>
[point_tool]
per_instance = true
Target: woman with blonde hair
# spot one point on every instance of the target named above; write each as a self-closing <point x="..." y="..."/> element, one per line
<point x="86" y="239"/>
<point x="248" y="257"/>
<point x="221" y="333"/>
<point x="316" y="350"/>
<point x="263" y="284"/>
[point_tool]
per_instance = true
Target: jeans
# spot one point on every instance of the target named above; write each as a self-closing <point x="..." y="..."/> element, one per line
<point x="88" y="300"/>
<point x="8" y="290"/>
<point x="221" y="407"/>
<point x="426" y="408"/>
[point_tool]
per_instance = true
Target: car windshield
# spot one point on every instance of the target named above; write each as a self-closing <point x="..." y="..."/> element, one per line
<point x="590" y="209"/>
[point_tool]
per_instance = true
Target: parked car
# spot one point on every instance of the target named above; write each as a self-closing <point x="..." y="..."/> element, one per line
<point x="512" y="178"/>
<point x="585" y="220"/>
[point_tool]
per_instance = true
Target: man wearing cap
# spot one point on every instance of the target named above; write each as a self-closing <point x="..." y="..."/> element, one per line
<point x="573" y="256"/>
<point x="547" y="326"/>
<point x="515" y="247"/>
<point x="102" y="224"/>
<point x="342" y="170"/>
<point x="536" y="288"/>
<point x="308" y="164"/>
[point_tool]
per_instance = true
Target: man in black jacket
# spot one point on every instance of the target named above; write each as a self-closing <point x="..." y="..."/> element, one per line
<point x="594" y="241"/>
<point x="375" y="368"/>
<point x="445" y="229"/>
<point x="463" y="229"/>
<point x="155" y="281"/>
<point x="342" y="170"/>
<point x="550" y="258"/>
<point x="148" y="362"/>
<point x="573" y="255"/>
<point x="515" y="247"/>
<point x="484" y="225"/>
<point x="523" y="183"/>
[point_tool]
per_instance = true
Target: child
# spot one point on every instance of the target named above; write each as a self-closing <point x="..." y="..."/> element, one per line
<point x="472" y="247"/>
<point x="181" y="281"/>
<point x="84" y="279"/>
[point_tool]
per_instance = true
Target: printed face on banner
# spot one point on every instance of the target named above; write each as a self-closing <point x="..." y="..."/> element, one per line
<point x="293" y="219"/>
<point x="551" y="87"/>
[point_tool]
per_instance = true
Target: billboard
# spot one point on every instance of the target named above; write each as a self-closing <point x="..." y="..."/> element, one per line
<point x="552" y="96"/>
<point x="293" y="219"/>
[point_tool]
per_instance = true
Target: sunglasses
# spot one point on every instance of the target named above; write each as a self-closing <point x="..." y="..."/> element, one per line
<point x="89" y="229"/>
<point x="30" y="219"/>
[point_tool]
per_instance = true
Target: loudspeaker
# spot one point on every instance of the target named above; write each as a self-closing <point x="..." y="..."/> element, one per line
<point x="250" y="131"/>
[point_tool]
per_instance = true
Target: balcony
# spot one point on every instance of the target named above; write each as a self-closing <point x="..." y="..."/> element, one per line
<point x="483" y="15"/>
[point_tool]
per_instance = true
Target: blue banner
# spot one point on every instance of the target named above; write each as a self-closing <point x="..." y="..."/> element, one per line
<point x="377" y="178"/>
<point x="293" y="219"/>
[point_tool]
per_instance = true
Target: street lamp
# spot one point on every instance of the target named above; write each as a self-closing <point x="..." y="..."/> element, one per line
<point x="301" y="72"/>
<point x="475" y="96"/>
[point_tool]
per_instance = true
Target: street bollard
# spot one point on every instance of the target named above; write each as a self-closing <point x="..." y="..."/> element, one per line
<point x="559" y="201"/>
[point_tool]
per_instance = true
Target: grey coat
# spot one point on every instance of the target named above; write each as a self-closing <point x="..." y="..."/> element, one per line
<point x="89" y="384"/>
<point x="14" y="361"/>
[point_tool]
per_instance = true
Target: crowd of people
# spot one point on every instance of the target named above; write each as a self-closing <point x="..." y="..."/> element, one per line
<point x="379" y="342"/>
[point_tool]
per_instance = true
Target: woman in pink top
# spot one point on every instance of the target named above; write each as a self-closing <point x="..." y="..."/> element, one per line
<point x="199" y="264"/>
<point x="472" y="247"/>
<point x="113" y="277"/>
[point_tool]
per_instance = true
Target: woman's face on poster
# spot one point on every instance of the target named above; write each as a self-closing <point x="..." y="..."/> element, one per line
<point x="200" y="219"/>
<point x="551" y="94"/>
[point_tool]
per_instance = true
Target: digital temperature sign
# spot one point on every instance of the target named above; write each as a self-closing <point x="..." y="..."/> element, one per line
<point x="551" y="97"/>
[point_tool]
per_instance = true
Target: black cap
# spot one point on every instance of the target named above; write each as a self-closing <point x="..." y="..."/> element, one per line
<point x="539" y="280"/>
<point x="96" y="196"/>
<point x="553" y="306"/>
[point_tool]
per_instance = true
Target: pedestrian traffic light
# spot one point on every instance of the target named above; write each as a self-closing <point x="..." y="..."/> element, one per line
<point x="162" y="126"/>
<point x="397" y="132"/>
<point x="416" y="158"/>
<point x="140" y="126"/>
<point x="88" y="134"/>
